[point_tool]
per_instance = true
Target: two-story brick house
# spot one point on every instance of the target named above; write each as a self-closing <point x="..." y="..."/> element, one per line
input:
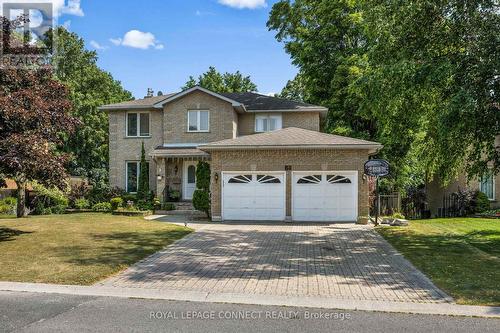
<point x="269" y="160"/>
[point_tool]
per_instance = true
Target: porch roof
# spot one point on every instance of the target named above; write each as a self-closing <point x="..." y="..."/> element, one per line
<point x="179" y="152"/>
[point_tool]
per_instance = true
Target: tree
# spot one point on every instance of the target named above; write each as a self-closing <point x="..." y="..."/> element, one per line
<point x="433" y="82"/>
<point x="222" y="83"/>
<point x="201" y="196"/>
<point x="143" y="188"/>
<point x="89" y="87"/>
<point x="34" y="112"/>
<point x="295" y="90"/>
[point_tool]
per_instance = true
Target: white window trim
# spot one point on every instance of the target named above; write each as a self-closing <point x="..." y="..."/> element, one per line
<point x="269" y="116"/>
<point x="198" y="121"/>
<point x="493" y="185"/>
<point x="138" y="174"/>
<point x="138" y="113"/>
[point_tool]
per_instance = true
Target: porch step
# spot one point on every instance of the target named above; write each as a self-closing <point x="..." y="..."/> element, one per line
<point x="183" y="212"/>
<point x="184" y="205"/>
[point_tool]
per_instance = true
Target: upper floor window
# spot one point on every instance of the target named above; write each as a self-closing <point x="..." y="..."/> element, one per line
<point x="198" y="121"/>
<point x="267" y="123"/>
<point x="487" y="186"/>
<point x="138" y="124"/>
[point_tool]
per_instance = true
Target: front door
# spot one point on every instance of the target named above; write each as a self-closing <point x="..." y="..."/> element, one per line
<point x="189" y="180"/>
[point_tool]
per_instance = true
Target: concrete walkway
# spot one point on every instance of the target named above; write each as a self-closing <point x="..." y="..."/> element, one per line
<point x="320" y="261"/>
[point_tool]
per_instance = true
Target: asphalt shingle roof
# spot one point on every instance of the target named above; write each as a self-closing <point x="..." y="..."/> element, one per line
<point x="291" y="136"/>
<point x="254" y="101"/>
<point x="138" y="103"/>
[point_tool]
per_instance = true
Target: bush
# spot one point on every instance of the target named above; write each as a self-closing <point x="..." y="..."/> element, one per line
<point x="8" y="206"/>
<point x="102" y="207"/>
<point x="174" y="195"/>
<point x="481" y="202"/>
<point x="116" y="203"/>
<point x="201" y="201"/>
<point x="398" y="216"/>
<point x="144" y="205"/>
<point x="77" y="191"/>
<point x="48" y="199"/>
<point x="129" y="197"/>
<point x="59" y="209"/>
<point x="10" y="201"/>
<point x="5" y="209"/>
<point x="168" y="206"/>
<point x="104" y="194"/>
<point x="81" y="203"/>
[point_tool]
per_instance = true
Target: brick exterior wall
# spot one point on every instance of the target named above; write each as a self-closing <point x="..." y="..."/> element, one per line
<point x="306" y="120"/>
<point x="123" y="149"/>
<point x="299" y="160"/>
<point x="222" y="123"/>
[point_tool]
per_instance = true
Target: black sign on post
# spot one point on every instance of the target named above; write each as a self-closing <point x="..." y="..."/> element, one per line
<point x="377" y="168"/>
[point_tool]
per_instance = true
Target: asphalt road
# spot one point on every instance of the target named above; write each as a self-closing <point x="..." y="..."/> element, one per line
<point x="28" y="312"/>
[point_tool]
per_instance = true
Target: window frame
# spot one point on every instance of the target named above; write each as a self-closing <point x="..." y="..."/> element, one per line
<point x="138" y="163"/>
<point x="268" y="117"/>
<point x="198" y="121"/>
<point x="138" y="117"/>
<point x="493" y="186"/>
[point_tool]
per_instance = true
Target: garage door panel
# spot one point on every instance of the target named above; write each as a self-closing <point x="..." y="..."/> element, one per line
<point x="261" y="197"/>
<point x="324" y="196"/>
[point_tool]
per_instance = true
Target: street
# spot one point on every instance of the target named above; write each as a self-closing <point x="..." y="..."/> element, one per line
<point x="36" y="312"/>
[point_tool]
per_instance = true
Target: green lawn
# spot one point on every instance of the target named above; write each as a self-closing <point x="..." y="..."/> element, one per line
<point x="80" y="248"/>
<point x="460" y="255"/>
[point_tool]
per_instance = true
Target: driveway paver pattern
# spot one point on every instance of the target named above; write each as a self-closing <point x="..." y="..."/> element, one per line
<point x="343" y="261"/>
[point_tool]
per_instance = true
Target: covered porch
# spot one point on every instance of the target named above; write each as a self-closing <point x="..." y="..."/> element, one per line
<point x="176" y="171"/>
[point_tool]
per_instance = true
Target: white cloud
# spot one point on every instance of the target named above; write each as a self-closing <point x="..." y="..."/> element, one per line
<point x="240" y="4"/>
<point x="67" y="24"/>
<point x="97" y="46"/>
<point x="272" y="94"/>
<point x="139" y="40"/>
<point x="68" y="7"/>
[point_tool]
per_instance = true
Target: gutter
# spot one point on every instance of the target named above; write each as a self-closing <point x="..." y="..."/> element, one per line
<point x="376" y="148"/>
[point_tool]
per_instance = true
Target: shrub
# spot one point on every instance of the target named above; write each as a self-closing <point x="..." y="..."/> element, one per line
<point x="398" y="216"/>
<point x="143" y="188"/>
<point x="5" y="209"/>
<point x="144" y="205"/>
<point x="129" y="197"/>
<point x="58" y="209"/>
<point x="48" y="198"/>
<point x="116" y="203"/>
<point x="81" y="203"/>
<point x="76" y="192"/>
<point x="168" y="206"/>
<point x="201" y="201"/>
<point x="174" y="195"/>
<point x="102" y="207"/>
<point x="104" y="194"/>
<point x="10" y="201"/>
<point x="481" y="202"/>
<point x="8" y="206"/>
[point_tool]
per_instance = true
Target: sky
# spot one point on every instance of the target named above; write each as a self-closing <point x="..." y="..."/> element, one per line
<point x="159" y="44"/>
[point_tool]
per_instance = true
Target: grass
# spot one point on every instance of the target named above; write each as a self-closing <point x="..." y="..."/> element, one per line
<point x="460" y="255"/>
<point x="79" y="248"/>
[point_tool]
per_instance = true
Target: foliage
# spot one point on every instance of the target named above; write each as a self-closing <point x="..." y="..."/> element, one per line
<point x="143" y="188"/>
<point x="295" y="90"/>
<point x="398" y="216"/>
<point x="174" y="195"/>
<point x="222" y="83"/>
<point x="168" y="206"/>
<point x="201" y="196"/>
<point x="104" y="193"/>
<point x="420" y="77"/>
<point x="482" y="203"/>
<point x="116" y="203"/>
<point x="82" y="203"/>
<point x="8" y="206"/>
<point x="76" y="192"/>
<point x="102" y="207"/>
<point x="129" y="198"/>
<point x="49" y="196"/>
<point x="89" y="87"/>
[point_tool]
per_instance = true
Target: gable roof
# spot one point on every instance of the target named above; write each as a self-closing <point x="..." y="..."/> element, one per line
<point x="246" y="101"/>
<point x="145" y="103"/>
<point x="292" y="137"/>
<point x="257" y="102"/>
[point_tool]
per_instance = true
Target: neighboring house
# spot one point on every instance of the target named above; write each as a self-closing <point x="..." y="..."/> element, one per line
<point x="437" y="194"/>
<point x="10" y="190"/>
<point x="268" y="159"/>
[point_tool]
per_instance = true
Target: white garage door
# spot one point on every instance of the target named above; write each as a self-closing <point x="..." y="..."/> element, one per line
<point x="253" y="196"/>
<point x="325" y="196"/>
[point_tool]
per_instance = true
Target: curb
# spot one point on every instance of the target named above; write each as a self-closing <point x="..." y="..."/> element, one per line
<point x="250" y="299"/>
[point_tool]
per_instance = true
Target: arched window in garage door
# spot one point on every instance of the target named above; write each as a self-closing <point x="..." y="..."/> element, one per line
<point x="334" y="179"/>
<point x="267" y="179"/>
<point x="240" y="179"/>
<point x="313" y="179"/>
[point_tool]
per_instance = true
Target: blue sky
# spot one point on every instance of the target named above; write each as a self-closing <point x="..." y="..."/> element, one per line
<point x="171" y="39"/>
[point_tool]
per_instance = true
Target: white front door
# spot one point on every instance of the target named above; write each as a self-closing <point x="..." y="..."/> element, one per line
<point x="253" y="196"/>
<point x="189" y="180"/>
<point x="325" y="196"/>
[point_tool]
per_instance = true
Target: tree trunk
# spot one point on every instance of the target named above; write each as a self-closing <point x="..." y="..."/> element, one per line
<point x="21" y="198"/>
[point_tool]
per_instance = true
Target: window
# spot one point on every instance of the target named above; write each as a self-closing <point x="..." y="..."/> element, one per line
<point x="267" y="123"/>
<point x="241" y="179"/>
<point x="198" y="121"/>
<point x="268" y="179"/>
<point x="138" y="124"/>
<point x="315" y="179"/>
<point x="487" y="186"/>
<point x="334" y="179"/>
<point x="133" y="171"/>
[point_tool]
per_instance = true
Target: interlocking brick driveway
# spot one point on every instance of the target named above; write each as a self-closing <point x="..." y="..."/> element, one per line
<point x="344" y="261"/>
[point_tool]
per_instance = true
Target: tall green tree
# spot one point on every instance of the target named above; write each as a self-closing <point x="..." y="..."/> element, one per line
<point x="326" y="40"/>
<point x="433" y="82"/>
<point x="222" y="83"/>
<point x="89" y="87"/>
<point x="143" y="187"/>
